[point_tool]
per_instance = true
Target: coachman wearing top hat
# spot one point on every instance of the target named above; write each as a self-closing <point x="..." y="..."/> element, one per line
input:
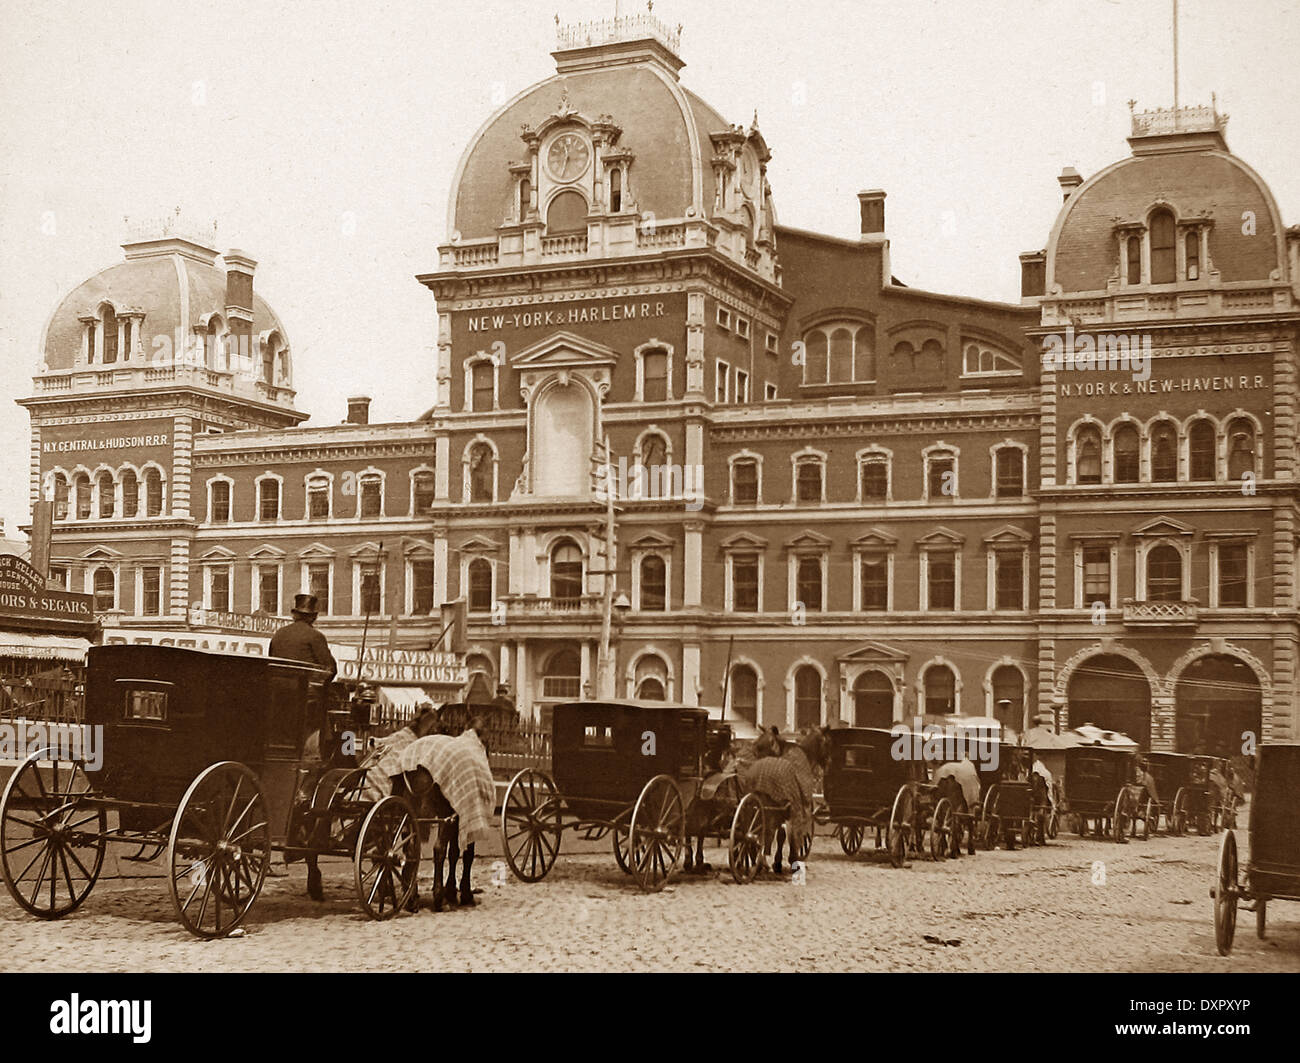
<point x="300" y="641"/>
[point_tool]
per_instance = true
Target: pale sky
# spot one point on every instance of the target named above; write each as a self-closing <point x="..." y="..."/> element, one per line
<point x="321" y="137"/>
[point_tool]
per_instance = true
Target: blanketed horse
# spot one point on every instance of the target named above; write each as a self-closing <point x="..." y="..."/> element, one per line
<point x="787" y="777"/>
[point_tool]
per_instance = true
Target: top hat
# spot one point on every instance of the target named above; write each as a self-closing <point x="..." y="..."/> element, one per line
<point x="305" y="605"/>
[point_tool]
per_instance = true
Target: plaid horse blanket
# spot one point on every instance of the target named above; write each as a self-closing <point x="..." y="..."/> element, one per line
<point x="785" y="780"/>
<point x="384" y="762"/>
<point x="460" y="768"/>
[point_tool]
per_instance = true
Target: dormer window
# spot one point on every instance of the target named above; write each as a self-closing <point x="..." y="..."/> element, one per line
<point x="567" y="214"/>
<point x="110" y="336"/>
<point x="1164" y="262"/>
<point x="615" y="191"/>
<point x="525" y="198"/>
<point x="1192" y="245"/>
<point x="1134" y="251"/>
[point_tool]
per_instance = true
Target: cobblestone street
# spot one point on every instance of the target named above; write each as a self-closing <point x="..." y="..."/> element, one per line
<point x="1028" y="910"/>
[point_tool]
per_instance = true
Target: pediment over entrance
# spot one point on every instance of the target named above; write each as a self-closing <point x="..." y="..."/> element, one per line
<point x="874" y="653"/>
<point x="1163" y="526"/>
<point x="564" y="349"/>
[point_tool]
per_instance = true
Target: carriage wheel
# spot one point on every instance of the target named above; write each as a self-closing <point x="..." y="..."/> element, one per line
<point x="1053" y="825"/>
<point x="1225" y="895"/>
<point x="850" y="838"/>
<point x="1178" y="821"/>
<point x="387" y="861"/>
<point x="941" y="829"/>
<point x="1261" y="916"/>
<point x="619" y="834"/>
<point x="657" y="833"/>
<point x="219" y="837"/>
<point x="900" y="826"/>
<point x="51" y="838"/>
<point x="747" y="838"/>
<point x="337" y="794"/>
<point x="531" y="825"/>
<point x="1120" y="819"/>
<point x="1152" y="815"/>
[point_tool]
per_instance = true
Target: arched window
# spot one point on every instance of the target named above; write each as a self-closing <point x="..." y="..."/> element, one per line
<point x="654" y="585"/>
<point x="105" y="590"/>
<point x="1010" y="473"/>
<point x="815" y="364"/>
<point x="562" y="676"/>
<point x="651" y="679"/>
<point x="1128" y="448"/>
<point x="931" y="358"/>
<point x="1241" y="449"/>
<point x="653" y="453"/>
<point x="841" y="356"/>
<point x="940" y="690"/>
<point x="318" y="497"/>
<point x="807" y="697"/>
<point x="1202" y="443"/>
<point x="1164" y="574"/>
<point x="940" y="476"/>
<point x="808" y="480"/>
<point x="1087" y="455"/>
<point x="1164" y="267"/>
<point x="370" y="489"/>
<point x="107" y="489"/>
<point x="153" y="493"/>
<point x="480" y="585"/>
<point x="60" y="496"/>
<point x="110" y="336"/>
<point x="567" y="214"/>
<point x="482" y="386"/>
<point x="654" y="375"/>
<point x="615" y="190"/>
<point x="130" y="493"/>
<point x="268" y="499"/>
<point x="213" y="348"/>
<point x="480" y="473"/>
<point x="81" y="493"/>
<point x="566" y="572"/>
<point x="1164" y="453"/>
<point x="219" y="502"/>
<point x="1192" y="255"/>
<point x="423" y="488"/>
<point x="1009" y="697"/>
<point x="744" y="693"/>
<point x="864" y="354"/>
<point x="479" y="690"/>
<point x="873" y="475"/>
<point x="1134" y="260"/>
<point x="744" y="482"/>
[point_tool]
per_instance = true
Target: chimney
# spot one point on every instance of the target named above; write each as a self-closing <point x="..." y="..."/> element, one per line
<point x="239" y="308"/>
<point x="1069" y="180"/>
<point x="359" y="410"/>
<point x="873" y="211"/>
<point x="1033" y="273"/>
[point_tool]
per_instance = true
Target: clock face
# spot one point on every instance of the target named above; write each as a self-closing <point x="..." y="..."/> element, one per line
<point x="568" y="157"/>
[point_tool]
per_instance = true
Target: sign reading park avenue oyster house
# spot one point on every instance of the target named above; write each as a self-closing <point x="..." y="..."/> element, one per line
<point x="402" y="666"/>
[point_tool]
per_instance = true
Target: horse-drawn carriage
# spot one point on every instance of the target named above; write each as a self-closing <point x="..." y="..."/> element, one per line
<point x="1016" y="807"/>
<point x="1101" y="792"/>
<point x="203" y="759"/>
<point x="1273" y="870"/>
<point x="875" y="783"/>
<point x="631" y="770"/>
<point x="1188" y="794"/>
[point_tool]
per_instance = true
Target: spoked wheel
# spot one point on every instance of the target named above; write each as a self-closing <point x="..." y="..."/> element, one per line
<point x="387" y="860"/>
<point x="51" y="835"/>
<point x="1178" y="821"/>
<point x="219" y="849"/>
<point x="340" y="796"/>
<point x="1120" y="819"/>
<point x="898" y="839"/>
<point x="619" y="834"/>
<point x="745" y="856"/>
<point x="1261" y="917"/>
<point x="531" y="825"/>
<point x="1225" y="895"/>
<point x="1053" y="825"/>
<point x="940" y="834"/>
<point x="657" y="833"/>
<point x="850" y="838"/>
<point x="1148" y="817"/>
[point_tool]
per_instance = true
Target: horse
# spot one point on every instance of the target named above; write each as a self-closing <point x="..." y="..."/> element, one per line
<point x="425" y="723"/>
<point x="710" y="802"/>
<point x="788" y="777"/>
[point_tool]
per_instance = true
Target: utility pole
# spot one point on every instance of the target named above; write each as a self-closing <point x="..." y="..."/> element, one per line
<point x="605" y="666"/>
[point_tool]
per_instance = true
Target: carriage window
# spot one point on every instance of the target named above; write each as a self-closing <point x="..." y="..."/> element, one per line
<point x="146" y="705"/>
<point x="598" y="735"/>
<point x="858" y="757"/>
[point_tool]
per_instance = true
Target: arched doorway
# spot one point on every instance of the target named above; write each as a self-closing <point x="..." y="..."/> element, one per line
<point x="1217" y="701"/>
<point x="1009" y="697"/>
<point x="1110" y="692"/>
<point x="563" y="435"/>
<point x="807" y="697"/>
<point x="873" y="700"/>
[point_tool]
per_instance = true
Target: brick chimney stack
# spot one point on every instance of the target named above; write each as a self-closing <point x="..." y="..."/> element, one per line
<point x="872" y="204"/>
<point x="359" y="410"/>
<point x="239" y="309"/>
<point x="1069" y="180"/>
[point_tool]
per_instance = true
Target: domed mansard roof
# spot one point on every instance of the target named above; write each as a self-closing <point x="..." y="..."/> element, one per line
<point x="175" y="292"/>
<point x="621" y="73"/>
<point x="1181" y="162"/>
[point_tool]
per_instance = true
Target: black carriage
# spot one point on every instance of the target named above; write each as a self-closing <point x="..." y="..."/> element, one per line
<point x="1015" y="808"/>
<point x="876" y="781"/>
<point x="1188" y="794"/>
<point x="631" y="770"/>
<point x="1273" y="870"/>
<point x="1101" y="794"/>
<point x="203" y="759"/>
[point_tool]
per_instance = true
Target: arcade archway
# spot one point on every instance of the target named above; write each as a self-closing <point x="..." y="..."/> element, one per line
<point x="1110" y="692"/>
<point x="1217" y="701"/>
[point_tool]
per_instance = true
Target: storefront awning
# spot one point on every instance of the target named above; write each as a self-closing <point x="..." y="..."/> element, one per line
<point x="43" y="647"/>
